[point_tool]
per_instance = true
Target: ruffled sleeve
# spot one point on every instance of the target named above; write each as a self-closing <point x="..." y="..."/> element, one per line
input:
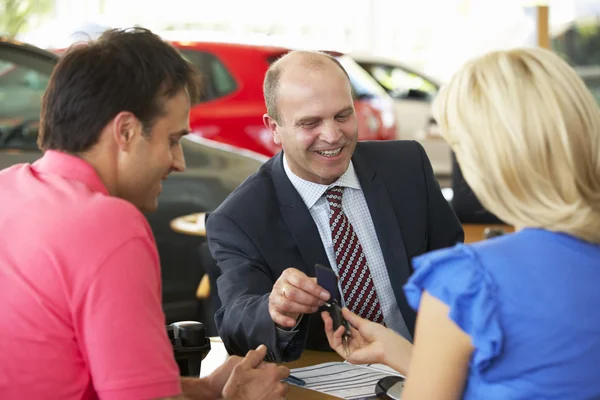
<point x="456" y="277"/>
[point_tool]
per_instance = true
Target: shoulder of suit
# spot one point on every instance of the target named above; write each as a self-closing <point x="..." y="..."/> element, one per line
<point x="394" y="149"/>
<point x="256" y="189"/>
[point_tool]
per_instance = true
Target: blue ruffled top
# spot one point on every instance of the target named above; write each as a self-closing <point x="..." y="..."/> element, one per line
<point x="529" y="301"/>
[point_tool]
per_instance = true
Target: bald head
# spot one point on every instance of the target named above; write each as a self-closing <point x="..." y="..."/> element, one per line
<point x="293" y="65"/>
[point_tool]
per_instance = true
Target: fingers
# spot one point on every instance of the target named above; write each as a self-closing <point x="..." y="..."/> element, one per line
<point x="262" y="365"/>
<point x="361" y="356"/>
<point x="254" y="357"/>
<point x="299" y="280"/>
<point x="327" y="321"/>
<point x="334" y="338"/>
<point x="280" y="391"/>
<point x="282" y="319"/>
<point x="338" y="334"/>
<point x="276" y="373"/>
<point x="293" y="294"/>
<point x="300" y="288"/>
<point x="282" y="372"/>
<point x="338" y="341"/>
<point x="294" y="301"/>
<point x="353" y="319"/>
<point x="254" y="379"/>
<point x="232" y="361"/>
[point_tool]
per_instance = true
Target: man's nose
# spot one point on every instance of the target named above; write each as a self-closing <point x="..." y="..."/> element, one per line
<point x="178" y="164"/>
<point x="331" y="132"/>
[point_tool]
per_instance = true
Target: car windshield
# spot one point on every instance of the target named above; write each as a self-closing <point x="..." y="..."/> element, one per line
<point x="21" y="90"/>
<point x="363" y="84"/>
<point x="399" y="82"/>
<point x="23" y="80"/>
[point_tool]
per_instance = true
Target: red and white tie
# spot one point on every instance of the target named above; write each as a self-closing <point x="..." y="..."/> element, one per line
<point x="358" y="289"/>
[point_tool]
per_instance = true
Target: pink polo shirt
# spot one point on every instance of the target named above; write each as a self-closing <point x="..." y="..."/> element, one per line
<point x="80" y="290"/>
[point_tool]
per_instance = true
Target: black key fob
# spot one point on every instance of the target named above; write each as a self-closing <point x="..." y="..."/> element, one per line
<point x="335" y="310"/>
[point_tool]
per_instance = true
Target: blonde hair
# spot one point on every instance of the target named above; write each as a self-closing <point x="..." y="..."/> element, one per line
<point x="526" y="133"/>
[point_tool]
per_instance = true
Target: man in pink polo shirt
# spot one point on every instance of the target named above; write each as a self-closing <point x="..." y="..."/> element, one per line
<point x="80" y="290"/>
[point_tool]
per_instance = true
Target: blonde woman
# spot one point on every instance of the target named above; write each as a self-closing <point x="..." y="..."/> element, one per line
<point x="514" y="317"/>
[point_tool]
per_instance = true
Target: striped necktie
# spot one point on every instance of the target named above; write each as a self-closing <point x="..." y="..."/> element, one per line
<point x="358" y="289"/>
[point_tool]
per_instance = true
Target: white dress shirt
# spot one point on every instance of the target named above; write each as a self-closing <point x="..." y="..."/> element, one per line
<point x="356" y="209"/>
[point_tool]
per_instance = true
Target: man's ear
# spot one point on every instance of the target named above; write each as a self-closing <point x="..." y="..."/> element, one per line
<point x="272" y="125"/>
<point x="125" y="128"/>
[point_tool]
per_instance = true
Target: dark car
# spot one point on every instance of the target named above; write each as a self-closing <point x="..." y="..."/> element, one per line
<point x="213" y="171"/>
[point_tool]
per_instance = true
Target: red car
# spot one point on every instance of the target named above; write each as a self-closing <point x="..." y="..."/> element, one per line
<point x="232" y="106"/>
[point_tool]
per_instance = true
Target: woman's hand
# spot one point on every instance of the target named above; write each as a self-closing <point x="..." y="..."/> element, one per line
<point x="369" y="342"/>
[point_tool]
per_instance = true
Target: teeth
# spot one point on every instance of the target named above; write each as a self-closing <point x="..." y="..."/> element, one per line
<point x="330" y="153"/>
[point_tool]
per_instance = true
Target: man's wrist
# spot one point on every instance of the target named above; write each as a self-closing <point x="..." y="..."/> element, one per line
<point x="200" y="388"/>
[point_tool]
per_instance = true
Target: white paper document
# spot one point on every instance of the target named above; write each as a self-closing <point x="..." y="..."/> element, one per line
<point x="344" y="380"/>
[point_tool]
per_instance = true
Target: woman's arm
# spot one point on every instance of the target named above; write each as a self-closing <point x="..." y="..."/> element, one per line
<point x="440" y="356"/>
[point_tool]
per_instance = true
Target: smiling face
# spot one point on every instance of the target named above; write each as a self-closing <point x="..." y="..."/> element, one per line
<point x="151" y="158"/>
<point x="318" y="130"/>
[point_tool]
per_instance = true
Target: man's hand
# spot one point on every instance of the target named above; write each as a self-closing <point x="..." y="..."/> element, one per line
<point x="252" y="379"/>
<point x="293" y="294"/>
<point x="217" y="380"/>
<point x="369" y="342"/>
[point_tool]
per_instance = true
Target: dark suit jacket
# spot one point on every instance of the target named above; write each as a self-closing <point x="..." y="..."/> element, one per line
<point x="465" y="204"/>
<point x="264" y="227"/>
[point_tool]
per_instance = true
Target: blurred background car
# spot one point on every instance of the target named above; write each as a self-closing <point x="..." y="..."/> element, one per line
<point x="213" y="171"/>
<point x="591" y="76"/>
<point x="413" y="93"/>
<point x="412" y="90"/>
<point x="232" y="106"/>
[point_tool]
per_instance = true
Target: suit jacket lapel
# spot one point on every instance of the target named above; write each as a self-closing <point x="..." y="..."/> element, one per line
<point x="298" y="218"/>
<point x="385" y="222"/>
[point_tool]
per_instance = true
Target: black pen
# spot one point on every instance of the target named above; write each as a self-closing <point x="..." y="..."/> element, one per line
<point x="295" y="381"/>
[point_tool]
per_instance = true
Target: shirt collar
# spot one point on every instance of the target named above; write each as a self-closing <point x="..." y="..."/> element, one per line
<point x="70" y="167"/>
<point x="311" y="192"/>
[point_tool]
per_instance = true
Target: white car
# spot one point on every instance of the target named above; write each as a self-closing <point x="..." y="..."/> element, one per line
<point x="413" y="93"/>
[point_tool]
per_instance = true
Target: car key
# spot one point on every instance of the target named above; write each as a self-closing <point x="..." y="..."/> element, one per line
<point x="335" y="310"/>
<point x="329" y="281"/>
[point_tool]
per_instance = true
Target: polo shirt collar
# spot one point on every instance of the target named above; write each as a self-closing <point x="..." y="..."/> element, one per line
<point x="70" y="167"/>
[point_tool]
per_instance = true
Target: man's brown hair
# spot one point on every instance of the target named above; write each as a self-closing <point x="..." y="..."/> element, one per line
<point x="124" y="70"/>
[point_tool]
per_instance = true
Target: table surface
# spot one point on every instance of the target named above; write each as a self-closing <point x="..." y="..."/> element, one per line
<point x="474" y="232"/>
<point x="192" y="224"/>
